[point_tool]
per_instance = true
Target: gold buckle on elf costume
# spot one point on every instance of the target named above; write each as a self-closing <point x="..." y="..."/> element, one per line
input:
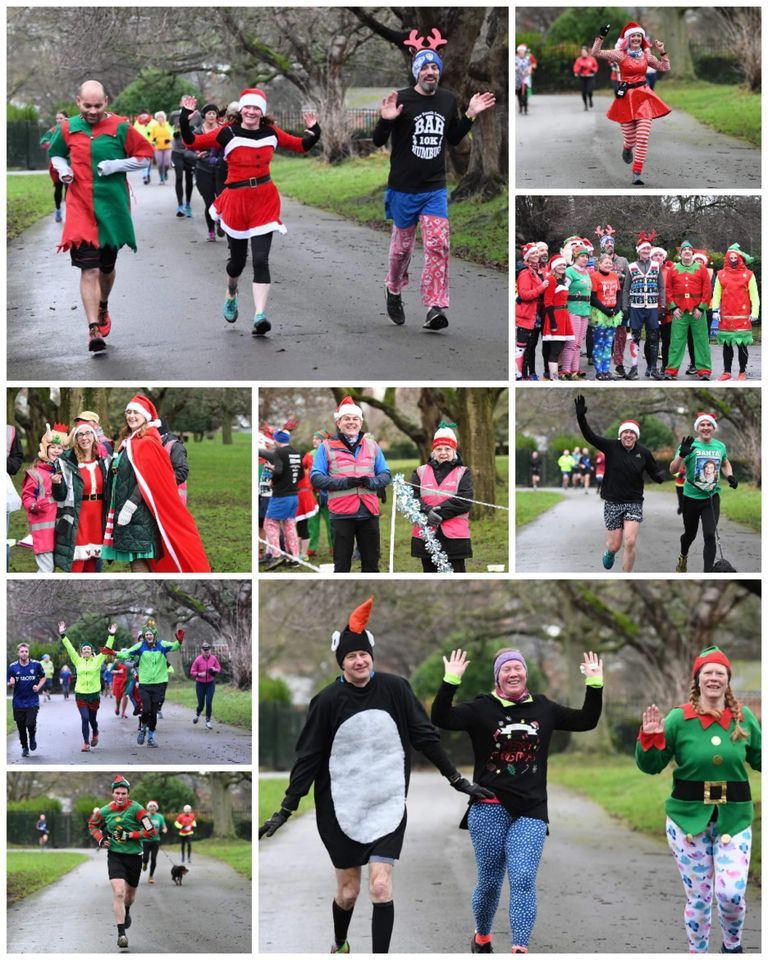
<point x="716" y="785"/>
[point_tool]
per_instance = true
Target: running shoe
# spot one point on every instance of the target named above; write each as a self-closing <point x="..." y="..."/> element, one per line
<point x="344" y="948"/>
<point x="620" y="371"/>
<point x="151" y="880"/>
<point x="95" y="740"/>
<point x="209" y="725"/>
<point x="626" y="155"/>
<point x="682" y="564"/>
<point x="85" y="748"/>
<point x="58" y="217"/>
<point x="637" y="180"/>
<point x="395" y="310"/>
<point x="151" y="739"/>
<point x="142" y="735"/>
<point x="230" y="309"/>
<point x="25" y="751"/>
<point x="690" y="371"/>
<point x="261" y="326"/>
<point x="632" y="375"/>
<point x="608" y="559"/>
<point x="475" y="947"/>
<point x="32" y="744"/>
<point x="160" y="714"/>
<point x="271" y="564"/>
<point x="196" y="718"/>
<point x="122" y="941"/>
<point x="725" y="376"/>
<point x="187" y="209"/>
<point x="725" y="949"/>
<point x="117" y="713"/>
<point x="742" y="375"/>
<point x="436" y="319"/>
<point x="179" y="212"/>
<point x="95" y="340"/>
<point x="144" y="867"/>
<point x="211" y="236"/>
<point x="657" y="374"/>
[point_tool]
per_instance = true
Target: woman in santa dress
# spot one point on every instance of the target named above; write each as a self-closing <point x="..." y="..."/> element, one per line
<point x="636" y="106"/>
<point x="80" y="517"/>
<point x="249" y="206"/>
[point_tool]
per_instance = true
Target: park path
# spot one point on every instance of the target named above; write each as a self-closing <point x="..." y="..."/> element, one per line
<point x="327" y="307"/>
<point x="602" y="888"/>
<point x="570" y="538"/>
<point x="210" y="913"/>
<point x="59" y="738"/>
<point x="559" y="144"/>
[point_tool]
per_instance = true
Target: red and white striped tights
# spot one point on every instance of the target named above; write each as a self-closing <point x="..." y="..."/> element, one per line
<point x="636" y="134"/>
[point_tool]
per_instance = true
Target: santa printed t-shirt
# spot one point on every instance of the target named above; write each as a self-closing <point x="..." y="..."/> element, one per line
<point x="702" y="469"/>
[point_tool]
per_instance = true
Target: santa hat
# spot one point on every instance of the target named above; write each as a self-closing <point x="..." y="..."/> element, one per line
<point x="253" y="97"/>
<point x="542" y="246"/>
<point x="354" y="636"/>
<point x="660" y="250"/>
<point x="347" y="408"/>
<point x="58" y="433"/>
<point x="120" y="781"/>
<point x="632" y="425"/>
<point x="704" y="418"/>
<point x="144" y="406"/>
<point x="711" y="655"/>
<point x="153" y="803"/>
<point x="557" y="261"/>
<point x="529" y="248"/>
<point x="643" y="245"/>
<point x="444" y="435"/>
<point x="626" y="33"/>
<point x="702" y="256"/>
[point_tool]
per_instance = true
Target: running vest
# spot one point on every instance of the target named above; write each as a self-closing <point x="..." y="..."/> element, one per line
<point x="343" y="463"/>
<point x="182" y="487"/>
<point x="456" y="528"/>
<point x="644" y="289"/>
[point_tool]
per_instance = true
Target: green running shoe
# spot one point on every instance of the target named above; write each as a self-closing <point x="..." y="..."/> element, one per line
<point x="230" y="309"/>
<point x="608" y="559"/>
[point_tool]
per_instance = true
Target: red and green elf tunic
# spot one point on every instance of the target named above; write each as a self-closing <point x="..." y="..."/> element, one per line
<point x="737" y="299"/>
<point x="132" y="818"/>
<point x="98" y="207"/>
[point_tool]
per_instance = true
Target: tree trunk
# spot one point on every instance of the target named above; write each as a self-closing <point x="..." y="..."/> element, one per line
<point x="673" y="30"/>
<point x="478" y="444"/>
<point x="221" y="806"/>
<point x="226" y="428"/>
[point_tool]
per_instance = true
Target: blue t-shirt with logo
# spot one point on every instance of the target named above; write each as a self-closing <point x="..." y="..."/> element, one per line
<point x="26" y="677"/>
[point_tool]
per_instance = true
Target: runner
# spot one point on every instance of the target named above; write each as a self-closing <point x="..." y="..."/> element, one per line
<point x="585" y="71"/>
<point x="42" y="832"/>
<point x="65" y="678"/>
<point x="622" y="488"/>
<point x="636" y="106"/>
<point x="711" y="738"/>
<point x="186" y="824"/>
<point x="599" y="470"/>
<point x="153" y="676"/>
<point x="204" y="670"/>
<point x="364" y="721"/>
<point x="249" y="206"/>
<point x="510" y="732"/>
<point x="702" y="459"/>
<point x="688" y="295"/>
<point x="151" y="845"/>
<point x="48" y="669"/>
<point x="59" y="189"/>
<point x="736" y="307"/>
<point x="88" y="683"/>
<point x="161" y="138"/>
<point x="121" y="826"/>
<point x="119" y="684"/>
<point x="619" y="266"/>
<point x="529" y="287"/>
<point x="421" y="119"/>
<point x="98" y="209"/>
<point x="605" y="314"/>
<point x="26" y="678"/>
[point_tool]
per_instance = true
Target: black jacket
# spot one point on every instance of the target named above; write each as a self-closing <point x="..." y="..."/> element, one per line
<point x="624" y="468"/>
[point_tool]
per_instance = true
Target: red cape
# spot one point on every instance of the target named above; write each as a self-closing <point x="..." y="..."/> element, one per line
<point x="183" y="550"/>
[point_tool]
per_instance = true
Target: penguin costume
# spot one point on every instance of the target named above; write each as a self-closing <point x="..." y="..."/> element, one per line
<point x="355" y="747"/>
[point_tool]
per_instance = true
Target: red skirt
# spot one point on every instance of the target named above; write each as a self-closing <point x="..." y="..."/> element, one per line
<point x="248" y="211"/>
<point x="640" y="103"/>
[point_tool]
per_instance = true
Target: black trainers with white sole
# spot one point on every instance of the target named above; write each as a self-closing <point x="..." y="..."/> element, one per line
<point x="436" y="319"/>
<point x="395" y="310"/>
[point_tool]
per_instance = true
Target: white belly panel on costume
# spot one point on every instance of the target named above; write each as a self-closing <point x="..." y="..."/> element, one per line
<point x="367" y="767"/>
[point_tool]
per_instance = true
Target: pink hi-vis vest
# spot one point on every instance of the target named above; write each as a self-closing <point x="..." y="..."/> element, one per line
<point x="457" y="528"/>
<point x="342" y="463"/>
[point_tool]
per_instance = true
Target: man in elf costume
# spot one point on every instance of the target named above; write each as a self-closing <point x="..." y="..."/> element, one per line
<point x="92" y="153"/>
<point x="356" y="748"/>
<point x="120" y="828"/>
<point x="420" y="120"/>
<point x="688" y="298"/>
<point x="736" y="306"/>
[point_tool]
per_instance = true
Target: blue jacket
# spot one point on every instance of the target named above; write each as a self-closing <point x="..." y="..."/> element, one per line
<point x="321" y="479"/>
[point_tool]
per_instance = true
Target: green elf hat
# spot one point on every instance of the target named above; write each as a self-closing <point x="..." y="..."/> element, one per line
<point x="150" y="625"/>
<point x="120" y="781"/>
<point x="711" y="655"/>
<point x="735" y="248"/>
<point x="686" y="244"/>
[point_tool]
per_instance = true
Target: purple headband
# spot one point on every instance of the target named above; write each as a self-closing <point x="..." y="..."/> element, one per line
<point x="505" y="657"/>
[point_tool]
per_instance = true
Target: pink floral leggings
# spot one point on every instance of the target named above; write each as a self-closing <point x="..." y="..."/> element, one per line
<point x="436" y="237"/>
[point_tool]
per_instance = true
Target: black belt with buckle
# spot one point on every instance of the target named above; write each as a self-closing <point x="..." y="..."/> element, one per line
<point x="93" y="496"/>
<point x="712" y="791"/>
<point x="579" y="297"/>
<point x="251" y="182"/>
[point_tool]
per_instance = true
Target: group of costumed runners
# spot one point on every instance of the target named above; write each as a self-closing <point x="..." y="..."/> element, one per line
<point x="91" y="154"/>
<point x="600" y="300"/>
<point x="355" y="748"/>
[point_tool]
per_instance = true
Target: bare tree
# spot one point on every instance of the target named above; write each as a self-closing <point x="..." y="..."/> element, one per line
<point x="221" y="785"/>
<point x="741" y="31"/>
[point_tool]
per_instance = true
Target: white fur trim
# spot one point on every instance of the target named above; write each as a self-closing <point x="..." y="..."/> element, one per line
<point x="348" y="410"/>
<point x="273" y="227"/>
<point x="629" y="425"/>
<point x="254" y="100"/>
<point x="704" y="417"/>
<point x="235" y="142"/>
<point x="137" y="408"/>
<point x="335" y="638"/>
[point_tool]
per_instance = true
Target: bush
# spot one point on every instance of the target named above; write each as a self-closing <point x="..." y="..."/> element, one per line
<point x="717" y="68"/>
<point x="273" y="690"/>
<point x="169" y="792"/>
<point x="655" y="434"/>
<point x="37" y="805"/>
<point x="21" y="113"/>
<point x="153" y="90"/>
<point x="402" y="449"/>
<point x="580" y="25"/>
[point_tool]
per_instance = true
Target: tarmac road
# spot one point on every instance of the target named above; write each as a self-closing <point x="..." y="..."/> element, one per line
<point x="602" y="888"/>
<point x="59" y="738"/>
<point x="210" y="913"/>
<point x="570" y="537"/>
<point x="326" y="308"/>
<point x="560" y="145"/>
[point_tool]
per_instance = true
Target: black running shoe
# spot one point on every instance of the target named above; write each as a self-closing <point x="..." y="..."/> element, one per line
<point x="261" y="327"/>
<point x="395" y="310"/>
<point x="637" y="180"/>
<point x="25" y="751"/>
<point x="271" y="564"/>
<point x="632" y="375"/>
<point x="626" y="155"/>
<point x="620" y="371"/>
<point x="122" y="941"/>
<point x="475" y="947"/>
<point x="32" y="744"/>
<point x="436" y="319"/>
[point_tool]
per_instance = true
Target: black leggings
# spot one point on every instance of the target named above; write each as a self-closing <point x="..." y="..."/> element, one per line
<point x="728" y="356"/>
<point x="238" y="254"/>
<point x="186" y="843"/>
<point x="529" y="357"/>
<point x="149" y="855"/>
<point x="709" y="513"/>
<point x="184" y="169"/>
<point x="206" y="186"/>
<point x="59" y="191"/>
<point x="587" y="87"/>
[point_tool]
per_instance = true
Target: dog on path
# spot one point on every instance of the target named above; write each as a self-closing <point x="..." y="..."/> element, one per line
<point x="177" y="875"/>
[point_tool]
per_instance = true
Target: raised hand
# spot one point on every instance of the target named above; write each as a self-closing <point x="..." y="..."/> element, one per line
<point x="389" y="107"/>
<point x="581" y="405"/>
<point x="457" y="663"/>
<point x="479" y="103"/>
<point x="112" y="629"/>
<point x="653" y="722"/>
<point x="310" y="119"/>
<point x="592" y="665"/>
<point x="686" y="446"/>
<point x="62" y="628"/>
<point x="603" y="31"/>
<point x="188" y="102"/>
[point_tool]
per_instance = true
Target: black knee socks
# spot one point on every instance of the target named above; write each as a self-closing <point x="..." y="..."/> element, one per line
<point x="341" y="920"/>
<point x="381" y="926"/>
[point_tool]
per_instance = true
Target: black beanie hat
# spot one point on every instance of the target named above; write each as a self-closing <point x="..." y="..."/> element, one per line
<point x="354" y="636"/>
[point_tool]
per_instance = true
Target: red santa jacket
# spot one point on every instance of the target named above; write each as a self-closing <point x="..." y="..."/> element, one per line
<point x="530" y="287"/>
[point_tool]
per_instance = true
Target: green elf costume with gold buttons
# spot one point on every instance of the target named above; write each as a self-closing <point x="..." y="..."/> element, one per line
<point x="710" y="811"/>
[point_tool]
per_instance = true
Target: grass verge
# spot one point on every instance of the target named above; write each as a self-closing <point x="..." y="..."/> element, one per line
<point x="635" y="798"/>
<point x="529" y="504"/>
<point x="235" y="853"/>
<point x="30" y="197"/>
<point x="230" y="705"/>
<point x="727" y="109"/>
<point x="10" y="726"/>
<point x="355" y="190"/>
<point x="742" y="505"/>
<point x="271" y="793"/>
<point x="29" y="872"/>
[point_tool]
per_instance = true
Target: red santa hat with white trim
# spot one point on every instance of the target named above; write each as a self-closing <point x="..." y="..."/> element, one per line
<point x="557" y="261"/>
<point x="705" y="418"/>
<point x="144" y="406"/>
<point x="626" y="33"/>
<point x="253" y="97"/>
<point x="347" y="408"/>
<point x="528" y="248"/>
<point x="632" y="425"/>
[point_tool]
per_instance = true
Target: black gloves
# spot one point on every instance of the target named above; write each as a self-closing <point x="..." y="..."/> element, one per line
<point x="603" y="31"/>
<point x="369" y="482"/>
<point x="434" y="519"/>
<point x="271" y="826"/>
<point x="686" y="445"/>
<point x="471" y="789"/>
<point x="120" y="835"/>
<point x="732" y="482"/>
<point x="580" y="403"/>
<point x="355" y="482"/>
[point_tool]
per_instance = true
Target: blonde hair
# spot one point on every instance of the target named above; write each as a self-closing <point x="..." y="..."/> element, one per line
<point x="739" y="733"/>
<point x="127" y="432"/>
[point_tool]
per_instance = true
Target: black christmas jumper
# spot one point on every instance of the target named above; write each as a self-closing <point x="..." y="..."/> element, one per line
<point x="287" y="470"/>
<point x="624" y="468"/>
<point x="510" y="741"/>
<point x="418" y="139"/>
<point x="355" y="748"/>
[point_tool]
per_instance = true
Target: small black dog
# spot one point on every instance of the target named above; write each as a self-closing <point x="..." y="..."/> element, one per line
<point x="177" y="875"/>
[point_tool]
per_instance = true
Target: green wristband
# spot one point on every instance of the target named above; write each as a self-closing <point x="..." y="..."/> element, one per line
<point x="596" y="682"/>
<point x="452" y="678"/>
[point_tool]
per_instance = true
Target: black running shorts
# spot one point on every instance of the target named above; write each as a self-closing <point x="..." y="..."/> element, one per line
<point x="88" y="257"/>
<point x="124" y="866"/>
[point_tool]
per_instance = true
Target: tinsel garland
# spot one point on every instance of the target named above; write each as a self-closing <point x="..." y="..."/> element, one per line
<point x="409" y="506"/>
